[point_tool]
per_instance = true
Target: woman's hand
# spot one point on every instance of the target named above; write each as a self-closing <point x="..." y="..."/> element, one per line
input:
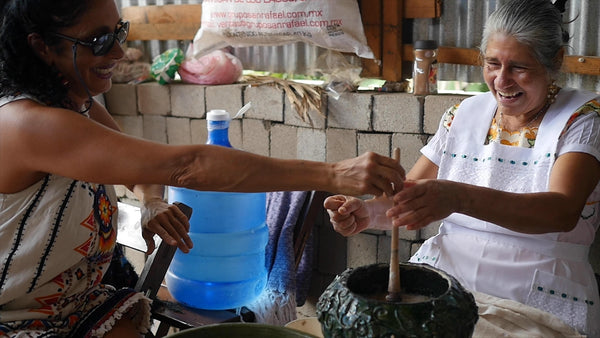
<point x="167" y="221"/>
<point x="422" y="202"/>
<point x="369" y="173"/>
<point x="348" y="215"/>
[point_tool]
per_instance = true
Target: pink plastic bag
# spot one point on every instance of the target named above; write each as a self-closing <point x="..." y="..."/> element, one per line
<point x="217" y="67"/>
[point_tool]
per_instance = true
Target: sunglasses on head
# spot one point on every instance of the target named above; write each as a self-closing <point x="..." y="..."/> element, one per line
<point x="102" y="44"/>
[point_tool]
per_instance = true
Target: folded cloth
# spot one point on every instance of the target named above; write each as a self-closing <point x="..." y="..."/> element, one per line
<point x="277" y="303"/>
<point x="507" y="318"/>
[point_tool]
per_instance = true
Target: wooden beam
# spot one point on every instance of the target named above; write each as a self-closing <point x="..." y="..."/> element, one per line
<point x="371" y="12"/>
<point x="168" y="22"/>
<point x="576" y="64"/>
<point x="414" y="9"/>
<point x="459" y="56"/>
<point x="165" y="31"/>
<point x="391" y="56"/>
<point x="581" y="64"/>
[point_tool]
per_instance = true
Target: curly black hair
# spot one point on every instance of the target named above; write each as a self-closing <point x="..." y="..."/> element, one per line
<point x="21" y="70"/>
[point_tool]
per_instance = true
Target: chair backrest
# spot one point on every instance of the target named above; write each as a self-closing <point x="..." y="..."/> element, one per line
<point x="158" y="263"/>
<point x="306" y="221"/>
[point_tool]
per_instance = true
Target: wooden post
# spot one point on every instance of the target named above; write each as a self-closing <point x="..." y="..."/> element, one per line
<point x="371" y="12"/>
<point x="393" y="13"/>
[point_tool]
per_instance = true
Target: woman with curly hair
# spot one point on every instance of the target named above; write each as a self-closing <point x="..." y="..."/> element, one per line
<point x="60" y="151"/>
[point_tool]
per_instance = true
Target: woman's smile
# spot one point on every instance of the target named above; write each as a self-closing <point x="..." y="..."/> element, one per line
<point x="104" y="72"/>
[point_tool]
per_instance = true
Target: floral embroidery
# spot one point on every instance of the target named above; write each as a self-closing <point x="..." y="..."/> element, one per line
<point x="592" y="106"/>
<point x="103" y="213"/>
<point x="449" y="116"/>
<point x="526" y="137"/>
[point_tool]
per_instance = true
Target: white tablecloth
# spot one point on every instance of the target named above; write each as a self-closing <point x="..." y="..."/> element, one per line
<point x="507" y="318"/>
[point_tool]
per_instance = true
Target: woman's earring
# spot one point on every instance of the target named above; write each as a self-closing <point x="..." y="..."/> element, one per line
<point x="63" y="80"/>
<point x="552" y="91"/>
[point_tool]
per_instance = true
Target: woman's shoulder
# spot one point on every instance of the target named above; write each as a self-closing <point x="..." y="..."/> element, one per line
<point x="5" y="100"/>
<point x="463" y="105"/>
<point x="449" y="115"/>
<point x="586" y="112"/>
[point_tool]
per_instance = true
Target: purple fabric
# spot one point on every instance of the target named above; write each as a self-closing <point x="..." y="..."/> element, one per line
<point x="283" y="209"/>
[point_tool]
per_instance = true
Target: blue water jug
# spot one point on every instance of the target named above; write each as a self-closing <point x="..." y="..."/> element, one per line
<point x="226" y="267"/>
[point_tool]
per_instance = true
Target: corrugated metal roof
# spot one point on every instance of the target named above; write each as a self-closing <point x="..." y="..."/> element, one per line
<point x="461" y="25"/>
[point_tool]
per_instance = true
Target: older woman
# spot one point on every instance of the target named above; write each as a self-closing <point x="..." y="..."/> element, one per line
<point x="512" y="173"/>
<point x="59" y="150"/>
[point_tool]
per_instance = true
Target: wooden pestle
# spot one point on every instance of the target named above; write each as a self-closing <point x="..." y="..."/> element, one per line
<point x="394" y="277"/>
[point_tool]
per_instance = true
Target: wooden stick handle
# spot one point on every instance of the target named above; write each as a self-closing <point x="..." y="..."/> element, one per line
<point x="394" y="277"/>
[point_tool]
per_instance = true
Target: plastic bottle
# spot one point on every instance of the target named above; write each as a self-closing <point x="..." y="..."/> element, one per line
<point x="425" y="67"/>
<point x="226" y="267"/>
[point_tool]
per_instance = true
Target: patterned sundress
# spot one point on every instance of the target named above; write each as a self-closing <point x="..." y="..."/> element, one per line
<point x="58" y="237"/>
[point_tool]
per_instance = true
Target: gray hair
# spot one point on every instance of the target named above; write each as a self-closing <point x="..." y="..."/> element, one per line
<point x="534" y="23"/>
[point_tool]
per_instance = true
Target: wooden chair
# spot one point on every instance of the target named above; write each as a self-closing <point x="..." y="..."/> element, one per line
<point x="172" y="314"/>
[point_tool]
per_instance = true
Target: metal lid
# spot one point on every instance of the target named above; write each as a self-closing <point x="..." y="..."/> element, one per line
<point x="425" y="44"/>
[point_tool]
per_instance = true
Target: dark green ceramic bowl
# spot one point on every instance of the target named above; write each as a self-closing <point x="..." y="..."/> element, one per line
<point x="239" y="330"/>
<point x="349" y="306"/>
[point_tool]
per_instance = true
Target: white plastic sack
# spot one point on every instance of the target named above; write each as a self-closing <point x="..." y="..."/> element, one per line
<point x="331" y="24"/>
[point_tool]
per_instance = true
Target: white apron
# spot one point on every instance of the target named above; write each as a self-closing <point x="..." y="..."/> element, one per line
<point x="537" y="270"/>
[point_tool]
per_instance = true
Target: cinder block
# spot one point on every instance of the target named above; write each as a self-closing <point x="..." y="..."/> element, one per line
<point x="155" y="128"/>
<point x="312" y="119"/>
<point x="267" y="102"/>
<point x="384" y="249"/>
<point x="430" y="230"/>
<point x="362" y="250"/>
<point x="311" y="144"/>
<point x="396" y="112"/>
<point x="255" y="136"/>
<point x="154" y="99"/>
<point x="198" y="131"/>
<point x="435" y="106"/>
<point x="131" y="125"/>
<point x="121" y="99"/>
<point x="414" y="248"/>
<point x="187" y="100"/>
<point x="350" y="111"/>
<point x="235" y="134"/>
<point x="410" y="148"/>
<point x="378" y="143"/>
<point x="404" y="250"/>
<point x="228" y="97"/>
<point x="284" y="141"/>
<point x="407" y="235"/>
<point x="178" y="130"/>
<point x="341" y="144"/>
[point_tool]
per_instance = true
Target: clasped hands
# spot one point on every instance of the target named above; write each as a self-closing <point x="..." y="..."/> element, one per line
<point x="415" y="205"/>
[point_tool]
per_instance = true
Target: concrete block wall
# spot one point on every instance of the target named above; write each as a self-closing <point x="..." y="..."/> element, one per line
<point x="353" y="124"/>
